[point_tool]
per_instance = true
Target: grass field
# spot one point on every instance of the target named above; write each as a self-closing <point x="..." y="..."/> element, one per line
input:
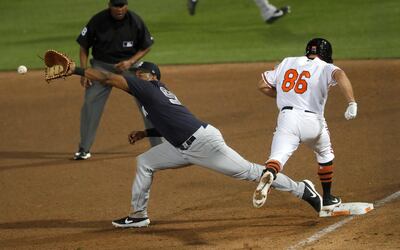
<point x="221" y="31"/>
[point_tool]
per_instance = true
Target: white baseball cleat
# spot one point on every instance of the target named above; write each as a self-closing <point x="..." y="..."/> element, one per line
<point x="260" y="195"/>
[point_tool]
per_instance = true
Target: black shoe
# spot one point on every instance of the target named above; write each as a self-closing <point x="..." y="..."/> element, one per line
<point x="312" y="196"/>
<point x="278" y="14"/>
<point x="82" y="155"/>
<point x="331" y="202"/>
<point x="191" y="4"/>
<point x="131" y="222"/>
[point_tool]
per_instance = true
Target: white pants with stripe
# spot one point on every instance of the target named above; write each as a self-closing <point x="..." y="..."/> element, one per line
<point x="209" y="150"/>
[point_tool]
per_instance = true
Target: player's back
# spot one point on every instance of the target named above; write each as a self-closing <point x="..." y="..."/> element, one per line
<point x="303" y="83"/>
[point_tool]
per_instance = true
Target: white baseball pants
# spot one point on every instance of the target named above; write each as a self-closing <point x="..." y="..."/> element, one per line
<point x="297" y="126"/>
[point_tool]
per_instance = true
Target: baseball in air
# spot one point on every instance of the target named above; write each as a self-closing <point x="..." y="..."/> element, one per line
<point x="22" y="69"/>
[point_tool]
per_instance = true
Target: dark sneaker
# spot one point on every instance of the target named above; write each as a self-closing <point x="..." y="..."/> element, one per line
<point x="331" y="202"/>
<point x="191" y="4"/>
<point x="260" y="195"/>
<point x="312" y="196"/>
<point x="131" y="222"/>
<point x="278" y="14"/>
<point x="82" y="155"/>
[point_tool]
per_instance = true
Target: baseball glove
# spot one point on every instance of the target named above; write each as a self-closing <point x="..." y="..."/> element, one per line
<point x="58" y="65"/>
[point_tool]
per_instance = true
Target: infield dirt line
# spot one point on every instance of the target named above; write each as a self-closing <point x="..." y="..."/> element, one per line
<point x="337" y="225"/>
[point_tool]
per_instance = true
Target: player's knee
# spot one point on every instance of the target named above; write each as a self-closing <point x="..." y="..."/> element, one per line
<point x="142" y="165"/>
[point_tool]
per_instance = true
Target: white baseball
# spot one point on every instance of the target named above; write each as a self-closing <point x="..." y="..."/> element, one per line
<point x="22" y="69"/>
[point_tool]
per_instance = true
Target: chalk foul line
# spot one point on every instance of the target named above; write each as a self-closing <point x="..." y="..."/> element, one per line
<point x="339" y="224"/>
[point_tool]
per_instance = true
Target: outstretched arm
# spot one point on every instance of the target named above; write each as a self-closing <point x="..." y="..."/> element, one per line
<point x="106" y="78"/>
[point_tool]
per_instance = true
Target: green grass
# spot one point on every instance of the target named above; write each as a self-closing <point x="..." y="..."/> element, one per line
<point x="221" y="31"/>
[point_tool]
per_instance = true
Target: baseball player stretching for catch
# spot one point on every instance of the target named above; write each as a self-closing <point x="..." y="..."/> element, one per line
<point x="188" y="140"/>
<point x="300" y="86"/>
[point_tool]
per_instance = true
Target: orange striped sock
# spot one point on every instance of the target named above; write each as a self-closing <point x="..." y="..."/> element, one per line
<point x="325" y="176"/>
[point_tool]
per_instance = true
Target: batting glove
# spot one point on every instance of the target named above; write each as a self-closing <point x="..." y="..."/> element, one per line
<point x="351" y="111"/>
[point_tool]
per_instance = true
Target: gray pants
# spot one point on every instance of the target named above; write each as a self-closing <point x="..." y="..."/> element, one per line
<point x="92" y="109"/>
<point x="209" y="150"/>
<point x="266" y="9"/>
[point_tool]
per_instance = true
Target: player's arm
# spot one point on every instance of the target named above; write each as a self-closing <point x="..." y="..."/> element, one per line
<point x="344" y="84"/>
<point x="106" y="78"/>
<point x="266" y="89"/>
<point x="347" y="90"/>
<point x="135" y="135"/>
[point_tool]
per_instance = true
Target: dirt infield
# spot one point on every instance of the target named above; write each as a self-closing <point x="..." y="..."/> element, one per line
<point x="48" y="201"/>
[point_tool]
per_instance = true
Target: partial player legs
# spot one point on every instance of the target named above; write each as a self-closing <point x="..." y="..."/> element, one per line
<point x="160" y="157"/>
<point x="324" y="154"/>
<point x="267" y="10"/>
<point x="91" y="112"/>
<point x="325" y="173"/>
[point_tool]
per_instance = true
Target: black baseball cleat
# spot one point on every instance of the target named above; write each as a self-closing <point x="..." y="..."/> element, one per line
<point x="330" y="202"/>
<point x="281" y="12"/>
<point x="131" y="222"/>
<point x="82" y="155"/>
<point x="312" y="196"/>
<point x="191" y="4"/>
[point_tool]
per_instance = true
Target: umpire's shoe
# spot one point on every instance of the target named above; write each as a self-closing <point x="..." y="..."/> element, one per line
<point x="82" y="155"/>
<point x="131" y="222"/>
<point x="260" y="195"/>
<point x="312" y="196"/>
<point x="330" y="202"/>
<point x="191" y="4"/>
<point x="278" y="14"/>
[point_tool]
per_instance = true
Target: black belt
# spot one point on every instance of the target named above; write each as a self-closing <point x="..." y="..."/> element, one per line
<point x="187" y="143"/>
<point x="290" y="108"/>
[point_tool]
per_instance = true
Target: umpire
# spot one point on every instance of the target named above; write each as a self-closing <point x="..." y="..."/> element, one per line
<point x="118" y="38"/>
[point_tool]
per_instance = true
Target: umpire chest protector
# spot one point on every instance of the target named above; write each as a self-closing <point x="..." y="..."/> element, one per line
<point x="114" y="40"/>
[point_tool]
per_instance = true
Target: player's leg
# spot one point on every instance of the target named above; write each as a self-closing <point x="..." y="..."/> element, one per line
<point x="269" y="12"/>
<point x="92" y="109"/>
<point x="324" y="154"/>
<point x="160" y="157"/>
<point x="284" y="142"/>
<point x="191" y="5"/>
<point x="91" y="112"/>
<point x="210" y="150"/>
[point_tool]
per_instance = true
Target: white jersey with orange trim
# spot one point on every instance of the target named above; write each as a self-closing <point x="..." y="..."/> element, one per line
<point x="302" y="83"/>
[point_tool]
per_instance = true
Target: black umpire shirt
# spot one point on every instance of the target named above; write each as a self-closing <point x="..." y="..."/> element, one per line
<point x="169" y="117"/>
<point x="114" y="40"/>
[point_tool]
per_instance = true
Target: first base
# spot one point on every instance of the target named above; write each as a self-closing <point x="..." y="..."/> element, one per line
<point x="349" y="208"/>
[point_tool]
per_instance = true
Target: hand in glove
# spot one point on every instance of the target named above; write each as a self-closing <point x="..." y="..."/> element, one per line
<point x="351" y="111"/>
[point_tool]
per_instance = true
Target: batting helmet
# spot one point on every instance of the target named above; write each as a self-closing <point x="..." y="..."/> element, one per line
<point x="320" y="47"/>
